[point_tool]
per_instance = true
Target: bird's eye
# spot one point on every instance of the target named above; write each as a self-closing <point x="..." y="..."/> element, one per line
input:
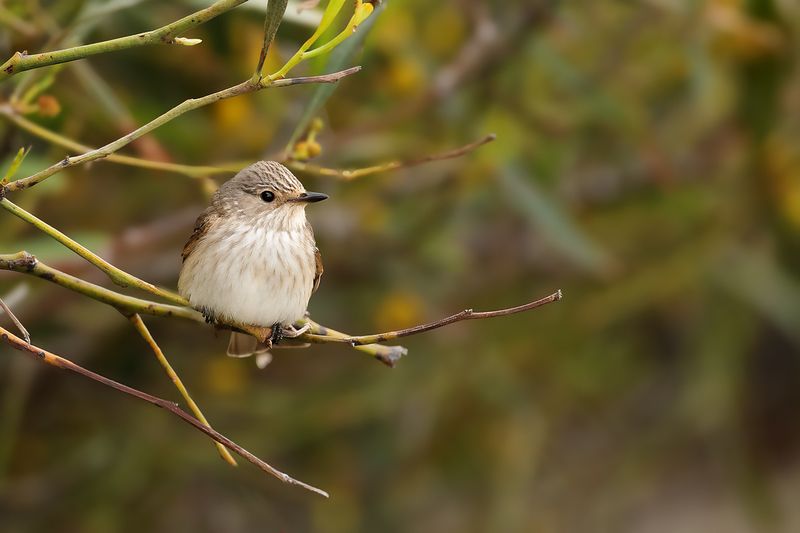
<point x="267" y="196"/>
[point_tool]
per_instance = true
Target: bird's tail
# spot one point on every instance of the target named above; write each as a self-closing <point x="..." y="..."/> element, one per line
<point x="244" y="345"/>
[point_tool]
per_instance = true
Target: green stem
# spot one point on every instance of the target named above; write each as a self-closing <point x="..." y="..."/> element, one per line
<point x="118" y="276"/>
<point x="21" y="62"/>
<point x="141" y="328"/>
<point x="25" y="263"/>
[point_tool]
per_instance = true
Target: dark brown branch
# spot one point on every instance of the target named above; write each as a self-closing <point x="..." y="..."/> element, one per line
<point x="467" y="314"/>
<point x="65" y="364"/>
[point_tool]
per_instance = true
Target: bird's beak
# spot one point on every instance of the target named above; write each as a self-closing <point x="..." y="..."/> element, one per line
<point x="310" y="197"/>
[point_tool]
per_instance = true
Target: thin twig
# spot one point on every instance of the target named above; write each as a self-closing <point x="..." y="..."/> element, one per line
<point x="118" y="276"/>
<point x="248" y="86"/>
<point x="467" y="314"/>
<point x="21" y="61"/>
<point x="392" y="165"/>
<point x="15" y="320"/>
<point x="388" y="355"/>
<point x="141" y="328"/>
<point x="65" y="364"/>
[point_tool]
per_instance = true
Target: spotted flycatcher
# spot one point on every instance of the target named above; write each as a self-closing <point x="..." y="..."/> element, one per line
<point x="252" y="261"/>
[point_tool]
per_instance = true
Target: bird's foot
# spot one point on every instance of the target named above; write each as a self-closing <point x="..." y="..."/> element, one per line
<point x="291" y="332"/>
<point x="264" y="335"/>
<point x="277" y="334"/>
<point x="208" y="315"/>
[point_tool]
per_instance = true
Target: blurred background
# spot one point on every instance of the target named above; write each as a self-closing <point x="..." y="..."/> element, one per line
<point x="647" y="163"/>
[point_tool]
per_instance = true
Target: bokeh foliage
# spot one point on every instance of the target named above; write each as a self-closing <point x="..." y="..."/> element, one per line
<point x="647" y="163"/>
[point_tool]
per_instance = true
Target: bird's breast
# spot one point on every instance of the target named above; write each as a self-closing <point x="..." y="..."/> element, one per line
<point x="255" y="275"/>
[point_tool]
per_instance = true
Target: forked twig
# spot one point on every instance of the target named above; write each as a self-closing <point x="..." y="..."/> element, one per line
<point x="65" y="364"/>
<point x="141" y="328"/>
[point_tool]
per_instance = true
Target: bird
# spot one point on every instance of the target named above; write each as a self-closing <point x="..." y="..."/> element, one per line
<point x="252" y="262"/>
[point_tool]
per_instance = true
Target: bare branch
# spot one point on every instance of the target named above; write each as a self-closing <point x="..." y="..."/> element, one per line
<point x="467" y="314"/>
<point x="392" y="165"/>
<point x="65" y="364"/>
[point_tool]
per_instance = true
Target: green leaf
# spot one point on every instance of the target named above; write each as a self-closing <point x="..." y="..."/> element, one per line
<point x="15" y="163"/>
<point x="554" y="224"/>
<point x="342" y="54"/>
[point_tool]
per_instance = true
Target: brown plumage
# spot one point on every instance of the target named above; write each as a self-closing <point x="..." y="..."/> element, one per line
<point x="252" y="259"/>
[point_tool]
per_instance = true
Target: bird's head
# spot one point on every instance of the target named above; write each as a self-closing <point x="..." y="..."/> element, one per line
<point x="265" y="191"/>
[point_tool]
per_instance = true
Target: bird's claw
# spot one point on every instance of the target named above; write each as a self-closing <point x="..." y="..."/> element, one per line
<point x="290" y="332"/>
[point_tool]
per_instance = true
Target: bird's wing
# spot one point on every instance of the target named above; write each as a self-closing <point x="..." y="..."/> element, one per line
<point x="201" y="226"/>
<point x="319" y="269"/>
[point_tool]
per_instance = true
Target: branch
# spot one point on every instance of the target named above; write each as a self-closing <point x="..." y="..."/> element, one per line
<point x="65" y="364"/>
<point x="391" y="165"/>
<point x="388" y="355"/>
<point x="192" y="171"/>
<point x="201" y="171"/>
<point x="141" y="328"/>
<point x="118" y="276"/>
<point x="467" y="314"/>
<point x="248" y="86"/>
<point x="25" y="263"/>
<point x="21" y="62"/>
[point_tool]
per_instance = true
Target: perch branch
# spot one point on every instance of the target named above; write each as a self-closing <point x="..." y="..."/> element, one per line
<point x="141" y="328"/>
<point x="21" y="61"/>
<point x="248" y="86"/>
<point x="65" y="364"/>
<point x="118" y="276"/>
<point x="467" y="314"/>
<point x="25" y="263"/>
<point x="391" y="165"/>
